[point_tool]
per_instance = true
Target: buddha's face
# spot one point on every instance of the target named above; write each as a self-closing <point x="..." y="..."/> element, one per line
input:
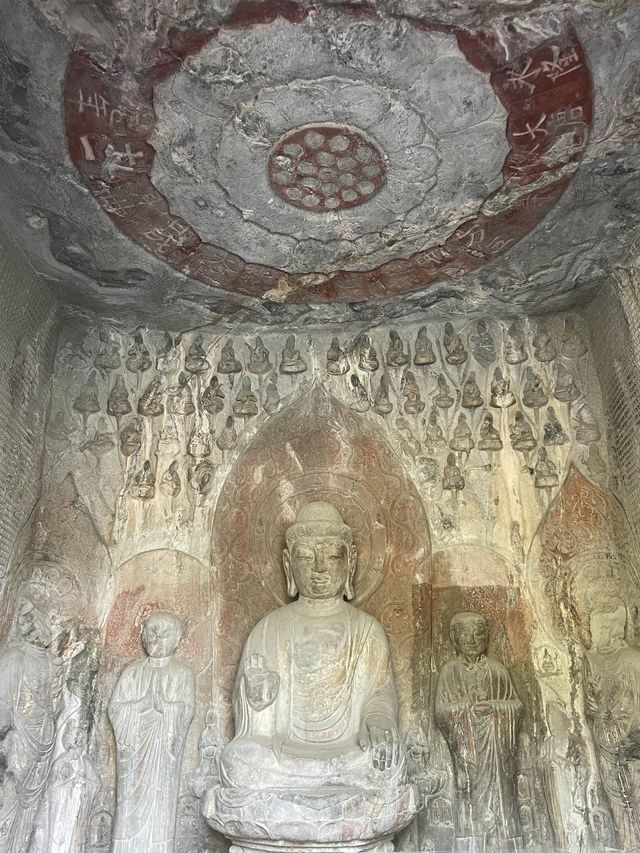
<point x="608" y="628"/>
<point x="470" y="638"/>
<point x="33" y="628"/>
<point x="160" y="637"/>
<point x="321" y="566"/>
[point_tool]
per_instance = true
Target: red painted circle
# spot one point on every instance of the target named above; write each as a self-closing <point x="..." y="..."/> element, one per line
<point x="545" y="88"/>
<point x="326" y="167"/>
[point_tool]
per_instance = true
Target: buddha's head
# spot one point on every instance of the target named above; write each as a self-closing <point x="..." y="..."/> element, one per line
<point x="608" y="623"/>
<point x="161" y="634"/>
<point x="469" y="634"/>
<point x="319" y="559"/>
<point x="33" y="625"/>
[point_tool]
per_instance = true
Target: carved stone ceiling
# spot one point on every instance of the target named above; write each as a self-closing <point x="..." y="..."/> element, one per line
<point x="189" y="161"/>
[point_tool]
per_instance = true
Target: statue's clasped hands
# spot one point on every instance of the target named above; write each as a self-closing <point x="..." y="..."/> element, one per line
<point x="380" y="735"/>
<point x="261" y="683"/>
<point x="482" y="709"/>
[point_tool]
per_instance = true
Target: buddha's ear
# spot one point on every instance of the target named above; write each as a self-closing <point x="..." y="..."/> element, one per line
<point x="292" y="589"/>
<point x="352" y="557"/>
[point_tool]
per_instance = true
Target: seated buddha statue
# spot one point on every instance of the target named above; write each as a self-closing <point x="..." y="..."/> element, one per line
<point x="315" y="703"/>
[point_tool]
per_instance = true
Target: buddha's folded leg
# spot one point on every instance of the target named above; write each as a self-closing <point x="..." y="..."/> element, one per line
<point x="252" y="763"/>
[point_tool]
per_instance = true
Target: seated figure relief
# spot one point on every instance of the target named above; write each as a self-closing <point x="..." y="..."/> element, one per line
<point x="315" y="704"/>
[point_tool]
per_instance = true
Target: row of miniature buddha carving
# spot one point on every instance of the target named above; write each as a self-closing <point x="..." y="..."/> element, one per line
<point x="484" y="348"/>
<point x="315" y="708"/>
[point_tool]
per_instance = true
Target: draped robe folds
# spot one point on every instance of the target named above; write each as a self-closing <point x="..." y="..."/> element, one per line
<point x="63" y="819"/>
<point x="483" y="747"/>
<point x="28" y="690"/>
<point x="149" y="741"/>
<point x="612" y="691"/>
<point x="334" y="672"/>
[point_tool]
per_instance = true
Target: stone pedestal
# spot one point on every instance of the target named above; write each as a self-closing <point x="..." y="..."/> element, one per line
<point x="324" y="820"/>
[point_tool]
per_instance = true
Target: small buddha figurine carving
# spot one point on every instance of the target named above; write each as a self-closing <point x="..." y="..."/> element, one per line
<point x="200" y="477"/>
<point x="595" y="463"/>
<point x="150" y="402"/>
<point x="169" y="431"/>
<point x="246" y="402"/>
<point x="434" y="437"/>
<point x="315" y="703"/>
<point x="107" y="358"/>
<point x="521" y="434"/>
<point x="515" y="344"/>
<point x="442" y="398"/>
<point x="396" y="355"/>
<point x="566" y="389"/>
<point x="196" y="359"/>
<point x="452" y="479"/>
<point x="424" y="353"/>
<point x="455" y="349"/>
<point x="413" y="405"/>
<point x="552" y="431"/>
<point x="534" y="394"/>
<point x="483" y="345"/>
<point x="367" y="355"/>
<point x="118" y="403"/>
<point x="586" y="425"/>
<point x="462" y="441"/>
<point x="544" y="349"/>
<point x="87" y="400"/>
<point x="572" y="345"/>
<point x="102" y="441"/>
<point x="228" y="437"/>
<point x="489" y="435"/>
<point x="337" y="361"/>
<point x="212" y="398"/>
<point x="171" y="484"/>
<point x="228" y="362"/>
<point x="291" y="360"/>
<point x="409" y="443"/>
<point x="138" y="358"/>
<point x="168" y="360"/>
<point x="259" y="362"/>
<point x="144" y="483"/>
<point x="471" y="396"/>
<point x="360" y="399"/>
<point x="199" y="444"/>
<point x="181" y="397"/>
<point x="272" y="397"/>
<point x="546" y="473"/>
<point x="382" y="404"/>
<point x="130" y="438"/>
<point x="501" y="394"/>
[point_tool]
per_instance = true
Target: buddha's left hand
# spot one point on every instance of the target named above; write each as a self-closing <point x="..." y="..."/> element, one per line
<point x="380" y="734"/>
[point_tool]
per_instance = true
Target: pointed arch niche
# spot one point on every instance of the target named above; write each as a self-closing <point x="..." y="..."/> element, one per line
<point x="317" y="449"/>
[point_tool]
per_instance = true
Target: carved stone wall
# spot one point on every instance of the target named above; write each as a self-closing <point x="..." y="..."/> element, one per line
<point x="614" y="321"/>
<point x="470" y="461"/>
<point x="27" y="348"/>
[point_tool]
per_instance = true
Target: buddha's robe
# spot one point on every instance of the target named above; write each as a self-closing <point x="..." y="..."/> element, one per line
<point x="483" y="747"/>
<point x="612" y="697"/>
<point x="333" y="671"/>
<point x="63" y="819"/>
<point x="150" y="710"/>
<point x="28" y="705"/>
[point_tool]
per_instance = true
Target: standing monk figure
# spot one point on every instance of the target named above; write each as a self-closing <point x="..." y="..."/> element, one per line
<point x="150" y="710"/>
<point x="479" y="713"/>
<point x="29" y="691"/>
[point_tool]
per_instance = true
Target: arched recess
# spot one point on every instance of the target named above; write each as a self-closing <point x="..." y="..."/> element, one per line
<point x="161" y="579"/>
<point x="316" y="449"/>
<point x="584" y="549"/>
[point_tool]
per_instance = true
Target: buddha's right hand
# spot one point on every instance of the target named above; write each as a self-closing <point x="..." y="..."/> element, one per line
<point x="261" y="683"/>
